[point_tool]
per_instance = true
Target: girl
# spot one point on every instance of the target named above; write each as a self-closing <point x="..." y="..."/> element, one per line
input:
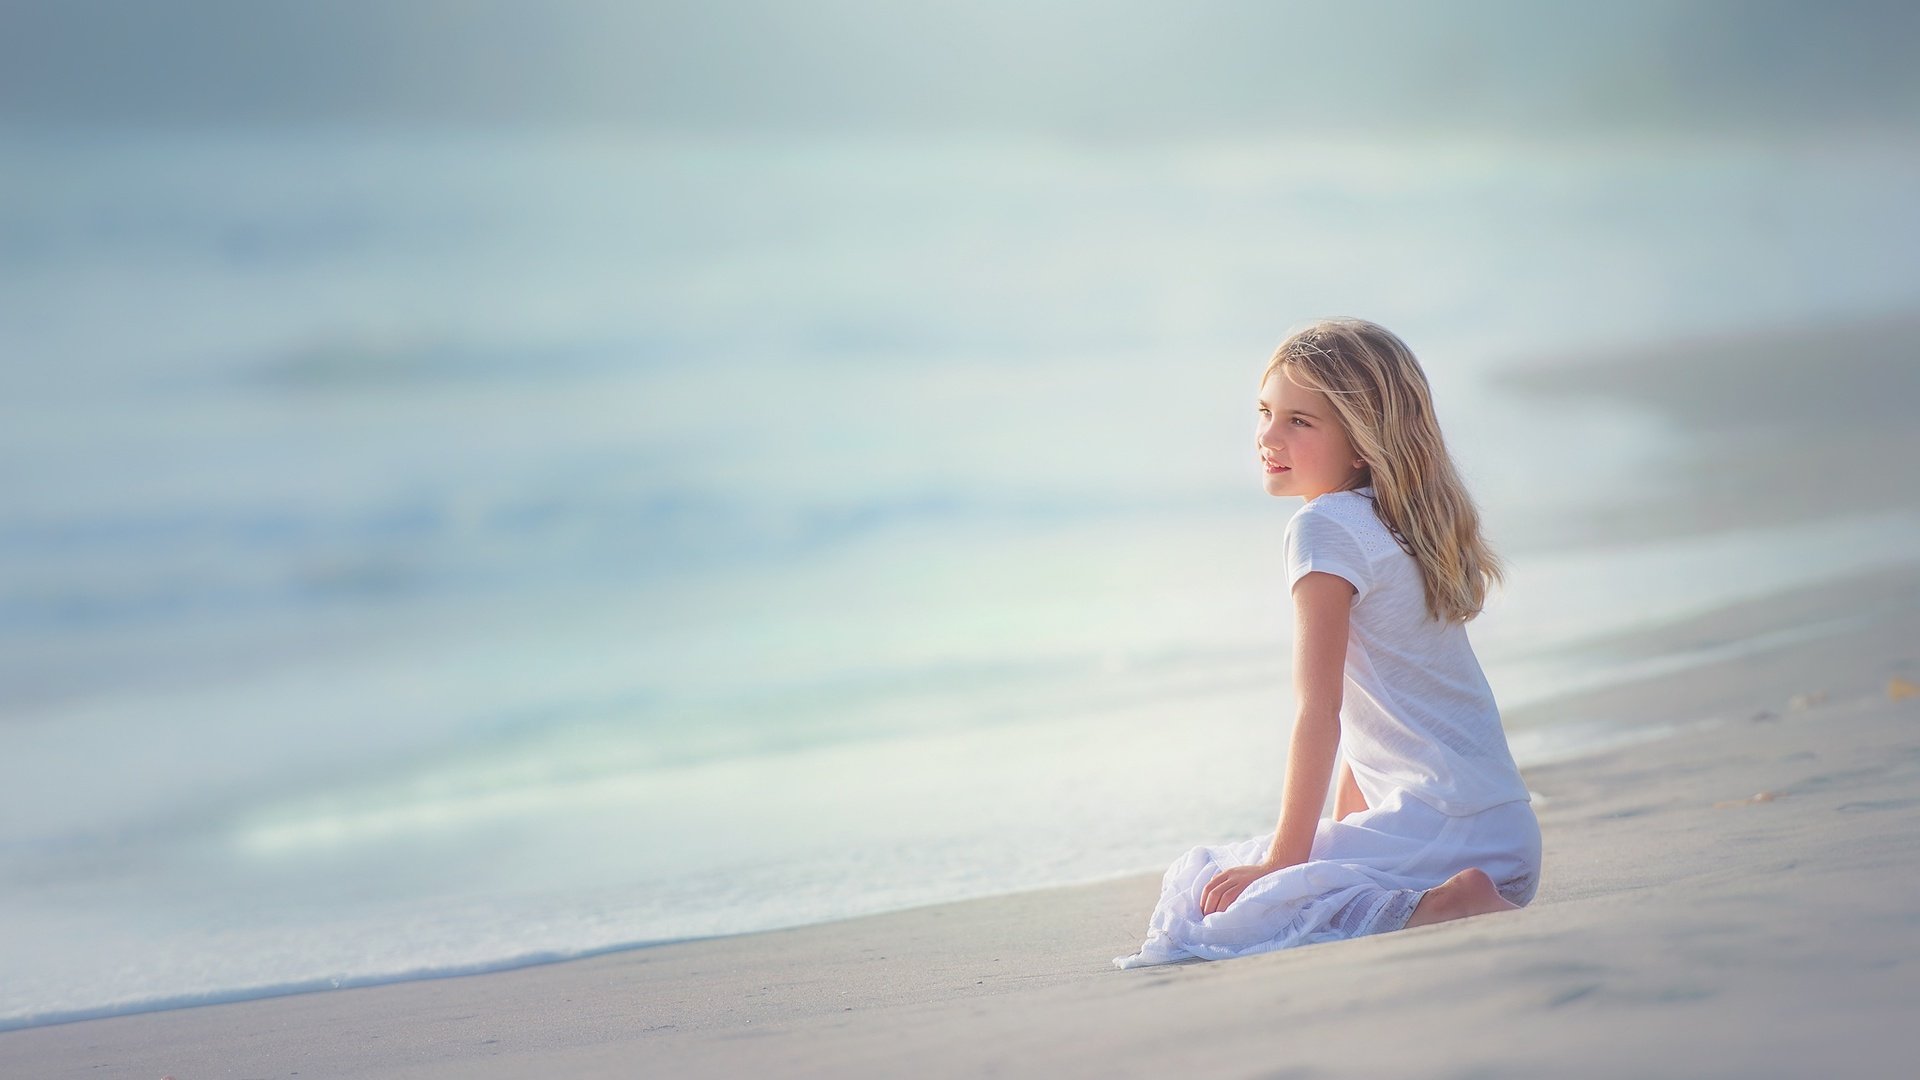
<point x="1386" y="563"/>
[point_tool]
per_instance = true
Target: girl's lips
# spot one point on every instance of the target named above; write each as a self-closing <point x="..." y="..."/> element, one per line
<point x="1272" y="468"/>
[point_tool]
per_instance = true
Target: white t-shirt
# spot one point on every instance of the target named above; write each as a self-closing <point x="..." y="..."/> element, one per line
<point x="1416" y="712"/>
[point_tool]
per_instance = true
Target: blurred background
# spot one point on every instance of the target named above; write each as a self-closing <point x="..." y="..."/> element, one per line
<point x="488" y="482"/>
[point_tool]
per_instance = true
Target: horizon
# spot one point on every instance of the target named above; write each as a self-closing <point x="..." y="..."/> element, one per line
<point x="1097" y="71"/>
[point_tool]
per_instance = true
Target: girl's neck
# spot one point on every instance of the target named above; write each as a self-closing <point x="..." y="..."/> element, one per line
<point x="1363" y="489"/>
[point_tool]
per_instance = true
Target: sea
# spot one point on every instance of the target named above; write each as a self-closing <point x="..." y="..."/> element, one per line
<point x="426" y="552"/>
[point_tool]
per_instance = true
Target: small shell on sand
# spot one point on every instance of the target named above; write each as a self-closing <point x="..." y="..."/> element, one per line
<point x="1763" y="796"/>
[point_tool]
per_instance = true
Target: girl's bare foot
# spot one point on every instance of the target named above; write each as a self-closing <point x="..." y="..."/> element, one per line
<point x="1469" y="892"/>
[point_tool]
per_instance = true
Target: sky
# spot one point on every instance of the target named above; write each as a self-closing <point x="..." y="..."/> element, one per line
<point x="1123" y="68"/>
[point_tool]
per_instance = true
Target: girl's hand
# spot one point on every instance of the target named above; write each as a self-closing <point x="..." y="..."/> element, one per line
<point x="1227" y="885"/>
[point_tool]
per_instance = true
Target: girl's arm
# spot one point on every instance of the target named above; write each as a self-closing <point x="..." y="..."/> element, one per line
<point x="1322" y="604"/>
<point x="1347" y="798"/>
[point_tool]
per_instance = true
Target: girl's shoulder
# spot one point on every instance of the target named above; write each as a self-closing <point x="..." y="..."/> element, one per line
<point x="1351" y="508"/>
<point x="1339" y="502"/>
<point x="1340" y="534"/>
<point x="1345" y="512"/>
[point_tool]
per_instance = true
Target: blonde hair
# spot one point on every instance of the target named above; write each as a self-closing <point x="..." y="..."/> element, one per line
<point x="1381" y="396"/>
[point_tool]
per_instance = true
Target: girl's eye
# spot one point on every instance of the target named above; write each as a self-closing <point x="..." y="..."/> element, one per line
<point x="1299" y="421"/>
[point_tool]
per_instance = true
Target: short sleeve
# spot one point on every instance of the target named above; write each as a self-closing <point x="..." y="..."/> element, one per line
<point x="1318" y="542"/>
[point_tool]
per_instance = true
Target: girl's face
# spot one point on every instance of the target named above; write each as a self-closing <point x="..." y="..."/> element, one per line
<point x="1300" y="434"/>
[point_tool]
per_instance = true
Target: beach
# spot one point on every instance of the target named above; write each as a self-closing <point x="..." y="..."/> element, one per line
<point x="1728" y="886"/>
<point x="740" y="546"/>
<point x="1734" y="900"/>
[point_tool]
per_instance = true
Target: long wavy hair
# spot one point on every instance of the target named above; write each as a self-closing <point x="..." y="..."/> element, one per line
<point x="1381" y="396"/>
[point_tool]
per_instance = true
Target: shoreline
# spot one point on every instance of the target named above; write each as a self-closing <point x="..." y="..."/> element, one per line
<point x="1760" y="617"/>
<point x="995" y="981"/>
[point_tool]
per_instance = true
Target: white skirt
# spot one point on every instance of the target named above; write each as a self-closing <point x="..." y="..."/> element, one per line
<point x="1365" y="876"/>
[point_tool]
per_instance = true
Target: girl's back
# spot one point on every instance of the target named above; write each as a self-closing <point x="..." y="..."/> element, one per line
<point x="1417" y="713"/>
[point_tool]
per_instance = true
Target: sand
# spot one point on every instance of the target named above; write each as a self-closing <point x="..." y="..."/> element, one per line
<point x="1683" y="928"/>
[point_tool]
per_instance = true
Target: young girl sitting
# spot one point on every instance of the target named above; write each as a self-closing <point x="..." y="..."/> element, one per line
<point x="1386" y="564"/>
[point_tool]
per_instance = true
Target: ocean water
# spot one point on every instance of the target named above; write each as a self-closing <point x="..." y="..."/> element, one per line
<point x="425" y="553"/>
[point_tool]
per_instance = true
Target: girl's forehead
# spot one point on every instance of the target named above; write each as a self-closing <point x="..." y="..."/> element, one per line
<point x="1278" y="386"/>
